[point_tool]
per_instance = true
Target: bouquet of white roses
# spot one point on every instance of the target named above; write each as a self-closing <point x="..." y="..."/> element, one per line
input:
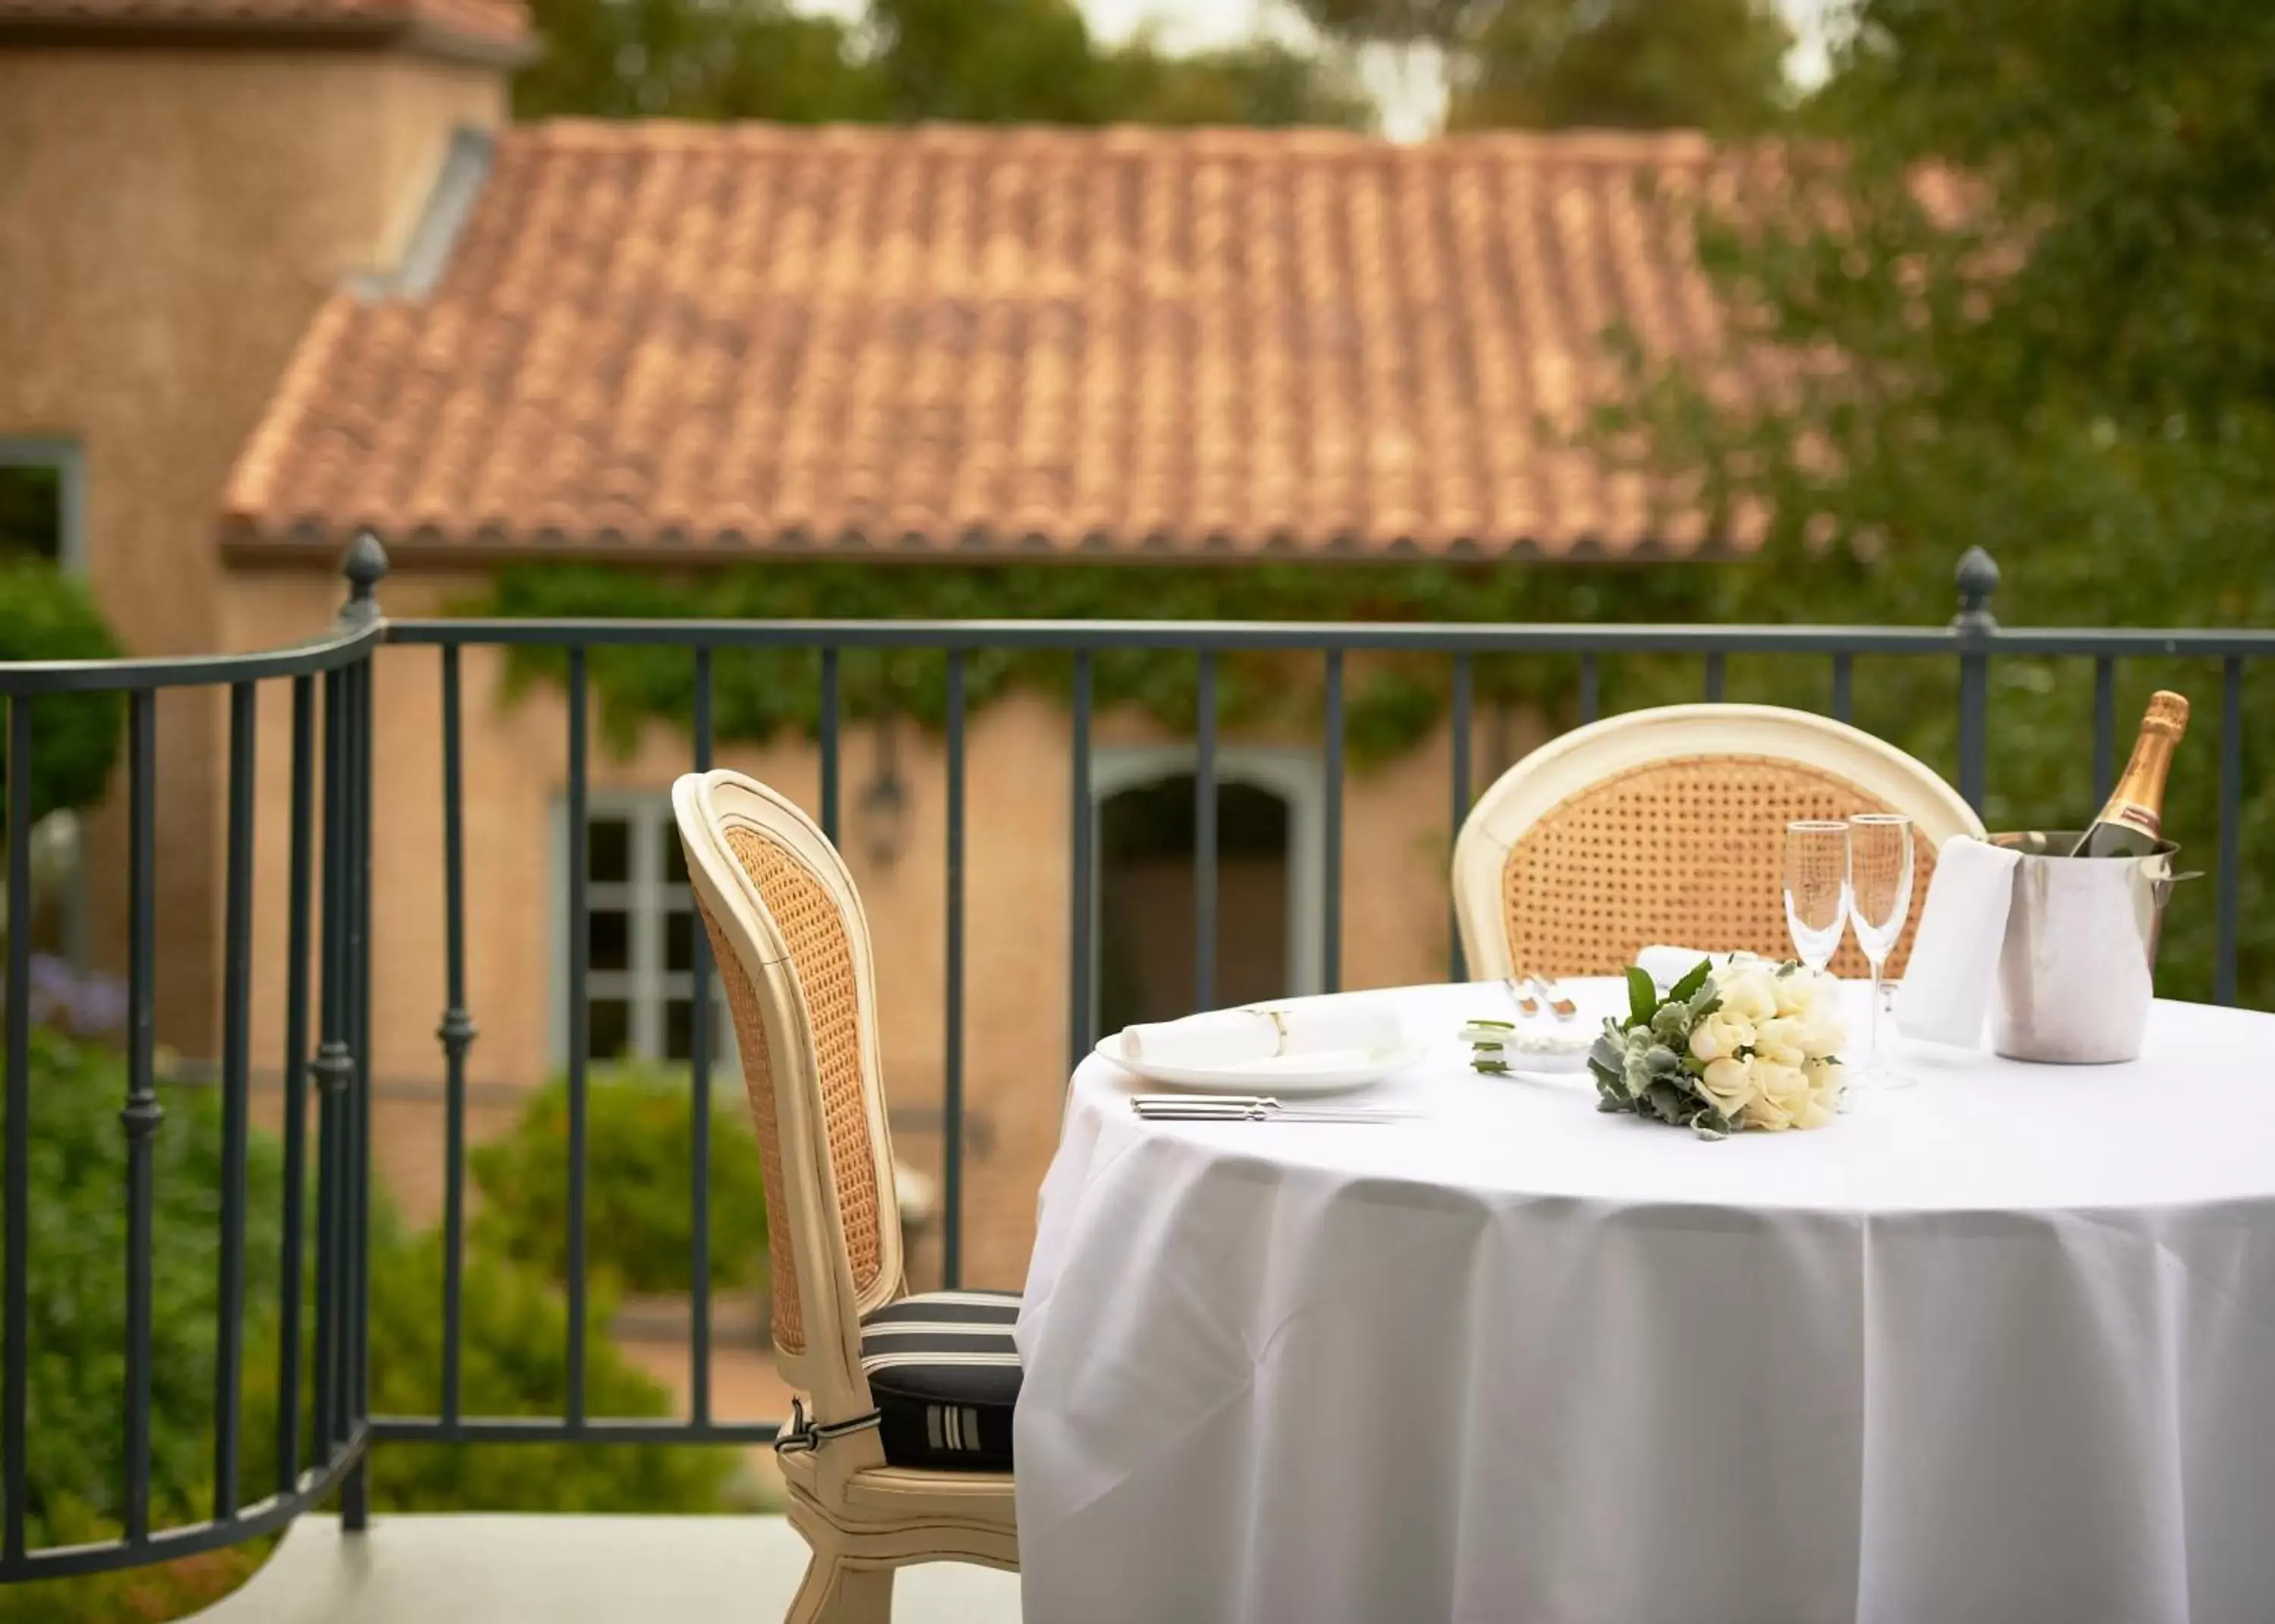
<point x="1751" y="1044"/>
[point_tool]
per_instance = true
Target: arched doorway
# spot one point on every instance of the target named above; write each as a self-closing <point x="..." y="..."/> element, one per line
<point x="1267" y="908"/>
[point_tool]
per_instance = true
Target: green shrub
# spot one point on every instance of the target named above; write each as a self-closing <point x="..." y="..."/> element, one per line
<point x="639" y="1221"/>
<point x="47" y="615"/>
<point x="514" y="1355"/>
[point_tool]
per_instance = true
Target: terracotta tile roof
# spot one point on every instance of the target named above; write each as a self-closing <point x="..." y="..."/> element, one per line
<point x="498" y="21"/>
<point x="691" y="338"/>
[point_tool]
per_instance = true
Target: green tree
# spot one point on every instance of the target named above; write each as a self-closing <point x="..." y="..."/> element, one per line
<point x="1711" y="64"/>
<point x="2033" y="263"/>
<point x="689" y="59"/>
<point x="977" y="61"/>
<point x="1640" y="64"/>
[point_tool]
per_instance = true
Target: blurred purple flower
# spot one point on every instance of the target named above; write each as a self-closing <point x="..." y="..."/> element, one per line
<point x="89" y="1006"/>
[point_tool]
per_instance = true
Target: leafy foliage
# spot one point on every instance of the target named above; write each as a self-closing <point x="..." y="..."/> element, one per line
<point x="515" y="1362"/>
<point x="514" y="1351"/>
<point x="639" y="1222"/>
<point x="1393" y="701"/>
<point x="1711" y="64"/>
<point x="2040" y="255"/>
<point x="978" y="61"/>
<point x="48" y="614"/>
<point x="1643" y="65"/>
<point x="1642" y="1065"/>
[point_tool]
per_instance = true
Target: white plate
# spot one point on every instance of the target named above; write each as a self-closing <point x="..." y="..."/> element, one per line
<point x="1283" y="1079"/>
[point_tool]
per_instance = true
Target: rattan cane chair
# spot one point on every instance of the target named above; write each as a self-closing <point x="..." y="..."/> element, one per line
<point x="1667" y="826"/>
<point x="898" y="1448"/>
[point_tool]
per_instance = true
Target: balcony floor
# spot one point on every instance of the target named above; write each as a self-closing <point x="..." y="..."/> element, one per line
<point x="500" y="1569"/>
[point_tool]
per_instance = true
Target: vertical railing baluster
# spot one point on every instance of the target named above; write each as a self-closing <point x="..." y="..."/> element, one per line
<point x="1465" y="699"/>
<point x="2231" y="823"/>
<point x="832" y="750"/>
<point x="1978" y="577"/>
<point x="1716" y="672"/>
<point x="1204" y="835"/>
<point x="1083" y="821"/>
<point x="579" y="1037"/>
<point x="456" y="1036"/>
<point x="1591" y="703"/>
<point x="142" y="1114"/>
<point x="236" y="1085"/>
<point x="1844" y="687"/>
<point x="699" y="1067"/>
<point x="951" y="1181"/>
<point x="1331" y="855"/>
<point x="2105" y="727"/>
<point x="15" y="1336"/>
<point x="355" y="1488"/>
<point x="292" y="1252"/>
<point x="331" y="1068"/>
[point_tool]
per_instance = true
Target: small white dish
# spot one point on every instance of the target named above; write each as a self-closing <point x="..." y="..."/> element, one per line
<point x="1287" y="1076"/>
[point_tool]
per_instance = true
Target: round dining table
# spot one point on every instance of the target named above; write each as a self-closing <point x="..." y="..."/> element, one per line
<point x="1995" y="1348"/>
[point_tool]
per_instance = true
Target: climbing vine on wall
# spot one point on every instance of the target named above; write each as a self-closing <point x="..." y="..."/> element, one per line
<point x="1392" y="701"/>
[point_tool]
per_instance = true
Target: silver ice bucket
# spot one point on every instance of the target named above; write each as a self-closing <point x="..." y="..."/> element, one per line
<point x="2075" y="974"/>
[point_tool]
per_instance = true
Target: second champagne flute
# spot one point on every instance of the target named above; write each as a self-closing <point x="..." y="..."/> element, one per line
<point x="1879" y="903"/>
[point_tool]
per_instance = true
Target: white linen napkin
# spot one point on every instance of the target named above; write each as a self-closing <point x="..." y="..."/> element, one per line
<point x="1954" y="960"/>
<point x="1666" y="965"/>
<point x="1300" y="1036"/>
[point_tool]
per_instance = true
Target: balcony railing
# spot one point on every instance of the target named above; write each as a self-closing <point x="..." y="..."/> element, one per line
<point x="324" y="1430"/>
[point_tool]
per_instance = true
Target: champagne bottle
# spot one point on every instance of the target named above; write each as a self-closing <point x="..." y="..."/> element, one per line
<point x="2129" y="825"/>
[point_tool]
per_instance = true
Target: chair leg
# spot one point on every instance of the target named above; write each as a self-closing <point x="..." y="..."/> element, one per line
<point x="837" y="1592"/>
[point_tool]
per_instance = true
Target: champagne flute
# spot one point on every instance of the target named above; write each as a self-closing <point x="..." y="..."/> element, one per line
<point x="1816" y="888"/>
<point x="1879" y="901"/>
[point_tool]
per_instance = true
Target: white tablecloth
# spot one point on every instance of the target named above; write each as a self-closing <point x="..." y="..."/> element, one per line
<point x="1998" y="1347"/>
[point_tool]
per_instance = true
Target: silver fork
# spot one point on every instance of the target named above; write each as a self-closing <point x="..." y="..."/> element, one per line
<point x="1562" y="1007"/>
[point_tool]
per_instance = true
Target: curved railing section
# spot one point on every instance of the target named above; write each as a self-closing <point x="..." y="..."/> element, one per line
<point x="322" y="1409"/>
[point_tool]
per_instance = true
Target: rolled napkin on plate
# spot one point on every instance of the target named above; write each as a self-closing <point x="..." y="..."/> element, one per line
<point x="1953" y="966"/>
<point x="1306" y="1036"/>
<point x="1666" y="965"/>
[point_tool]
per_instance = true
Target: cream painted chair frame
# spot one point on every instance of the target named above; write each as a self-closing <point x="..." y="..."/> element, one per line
<point x="862" y="1518"/>
<point x="1561" y="769"/>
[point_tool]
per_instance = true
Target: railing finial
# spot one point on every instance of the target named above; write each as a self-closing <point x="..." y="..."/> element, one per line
<point x="1978" y="578"/>
<point x="364" y="566"/>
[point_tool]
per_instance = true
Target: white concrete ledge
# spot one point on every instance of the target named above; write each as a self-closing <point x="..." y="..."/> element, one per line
<point x="474" y="1568"/>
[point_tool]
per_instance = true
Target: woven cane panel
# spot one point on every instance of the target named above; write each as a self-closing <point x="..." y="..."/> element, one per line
<point x="1689" y="850"/>
<point x="821" y="961"/>
<point x="758" y="1083"/>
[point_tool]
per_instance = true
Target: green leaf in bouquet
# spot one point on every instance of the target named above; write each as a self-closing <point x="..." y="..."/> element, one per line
<point x="1680" y="991"/>
<point x="1643" y="997"/>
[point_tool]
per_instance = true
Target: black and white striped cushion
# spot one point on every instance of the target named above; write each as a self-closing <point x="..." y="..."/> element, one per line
<point x="945" y="1376"/>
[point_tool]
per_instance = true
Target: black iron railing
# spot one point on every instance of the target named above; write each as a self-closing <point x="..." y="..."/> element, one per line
<point x="330" y="884"/>
<point x="322" y="1427"/>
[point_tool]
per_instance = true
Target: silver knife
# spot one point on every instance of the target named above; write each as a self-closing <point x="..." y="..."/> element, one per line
<point x="1205" y="1112"/>
<point x="1267" y="1102"/>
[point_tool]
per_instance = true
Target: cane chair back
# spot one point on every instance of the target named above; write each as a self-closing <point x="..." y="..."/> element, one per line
<point x="1667" y="826"/>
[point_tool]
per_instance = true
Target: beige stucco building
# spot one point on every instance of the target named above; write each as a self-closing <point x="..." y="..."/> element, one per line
<point x="273" y="276"/>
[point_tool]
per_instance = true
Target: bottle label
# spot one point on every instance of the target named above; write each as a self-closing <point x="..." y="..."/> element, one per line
<point x="2133" y="815"/>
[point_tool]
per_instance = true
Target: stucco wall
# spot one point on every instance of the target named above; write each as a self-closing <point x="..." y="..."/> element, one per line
<point x="1393" y="913"/>
<point x="169" y="222"/>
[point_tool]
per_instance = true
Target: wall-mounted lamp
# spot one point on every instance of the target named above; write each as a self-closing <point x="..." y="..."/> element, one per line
<point x="881" y="809"/>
